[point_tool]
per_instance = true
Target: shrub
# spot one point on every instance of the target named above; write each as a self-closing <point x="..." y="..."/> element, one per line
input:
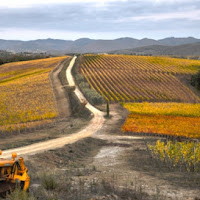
<point x="84" y="85"/>
<point x="195" y="80"/>
<point x="19" y="194"/>
<point x="49" y="181"/>
<point x="80" y="78"/>
<point x="92" y="96"/>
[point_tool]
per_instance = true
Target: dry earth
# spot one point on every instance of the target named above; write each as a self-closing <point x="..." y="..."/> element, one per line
<point x="117" y="160"/>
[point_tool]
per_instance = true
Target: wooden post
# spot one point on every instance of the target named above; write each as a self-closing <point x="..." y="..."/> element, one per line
<point x="108" y="109"/>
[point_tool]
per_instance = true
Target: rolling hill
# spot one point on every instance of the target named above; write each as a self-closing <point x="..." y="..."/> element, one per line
<point x="85" y="45"/>
<point x="181" y="50"/>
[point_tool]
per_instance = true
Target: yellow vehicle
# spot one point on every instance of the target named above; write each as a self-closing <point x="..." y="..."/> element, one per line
<point x="12" y="173"/>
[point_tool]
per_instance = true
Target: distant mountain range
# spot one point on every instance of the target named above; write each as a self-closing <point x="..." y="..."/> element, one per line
<point x="86" y="45"/>
<point x="180" y="50"/>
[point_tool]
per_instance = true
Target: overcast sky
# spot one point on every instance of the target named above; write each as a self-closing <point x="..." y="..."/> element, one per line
<point x="98" y="19"/>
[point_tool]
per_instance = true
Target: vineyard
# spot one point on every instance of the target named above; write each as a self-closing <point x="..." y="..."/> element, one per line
<point x="174" y="119"/>
<point x="184" y="155"/>
<point x="139" y="78"/>
<point x="26" y="99"/>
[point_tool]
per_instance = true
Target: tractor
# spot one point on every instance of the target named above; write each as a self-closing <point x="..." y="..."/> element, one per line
<point x="13" y="173"/>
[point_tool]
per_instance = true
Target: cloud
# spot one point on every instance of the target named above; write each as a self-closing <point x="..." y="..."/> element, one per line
<point x="24" y="34"/>
<point x="174" y="1"/>
<point x="94" y="17"/>
<point x="189" y="15"/>
<point x="31" y="3"/>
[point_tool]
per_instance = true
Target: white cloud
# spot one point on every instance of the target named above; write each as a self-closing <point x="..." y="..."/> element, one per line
<point x="71" y="19"/>
<point x="190" y="15"/>
<point x="30" y="3"/>
<point x="173" y="1"/>
<point x="28" y="34"/>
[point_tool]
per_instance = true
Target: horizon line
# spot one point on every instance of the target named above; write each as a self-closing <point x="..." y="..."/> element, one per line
<point x="100" y="38"/>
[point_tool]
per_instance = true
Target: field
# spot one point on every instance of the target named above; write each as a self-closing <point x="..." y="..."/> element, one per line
<point x="26" y="98"/>
<point x="120" y="78"/>
<point x="175" y="119"/>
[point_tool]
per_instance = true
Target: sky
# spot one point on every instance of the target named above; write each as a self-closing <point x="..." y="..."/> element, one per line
<point x="98" y="19"/>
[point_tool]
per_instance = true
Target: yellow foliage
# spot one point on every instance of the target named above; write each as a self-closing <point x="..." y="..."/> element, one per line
<point x="139" y="78"/>
<point x="176" y="109"/>
<point x="26" y="93"/>
<point x="164" y="118"/>
<point x="178" y="153"/>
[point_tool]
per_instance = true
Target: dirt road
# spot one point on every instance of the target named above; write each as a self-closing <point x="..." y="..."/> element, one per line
<point x="61" y="98"/>
<point x="95" y="124"/>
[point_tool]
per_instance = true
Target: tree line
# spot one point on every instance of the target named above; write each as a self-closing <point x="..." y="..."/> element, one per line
<point x="7" y="57"/>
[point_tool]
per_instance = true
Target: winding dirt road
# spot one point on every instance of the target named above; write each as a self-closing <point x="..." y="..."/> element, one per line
<point x="95" y="125"/>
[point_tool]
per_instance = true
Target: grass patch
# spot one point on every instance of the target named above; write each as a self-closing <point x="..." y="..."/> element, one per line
<point x="19" y="194"/>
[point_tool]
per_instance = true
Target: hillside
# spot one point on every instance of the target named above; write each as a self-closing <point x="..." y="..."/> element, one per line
<point x="86" y="45"/>
<point x="143" y="79"/>
<point x="7" y="57"/>
<point x="181" y="50"/>
<point x="27" y="99"/>
<point x="120" y="78"/>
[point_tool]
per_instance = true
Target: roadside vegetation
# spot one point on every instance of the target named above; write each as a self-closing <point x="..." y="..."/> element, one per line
<point x="89" y="92"/>
<point x="91" y="95"/>
<point x="78" y="109"/>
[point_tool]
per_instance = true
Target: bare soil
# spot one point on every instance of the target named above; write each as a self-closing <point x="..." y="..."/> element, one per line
<point x="110" y="165"/>
<point x="61" y="98"/>
<point x="60" y="128"/>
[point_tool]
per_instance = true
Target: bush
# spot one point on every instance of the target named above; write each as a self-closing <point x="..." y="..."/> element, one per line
<point x="195" y="80"/>
<point x="80" y="78"/>
<point x="92" y="96"/>
<point x="84" y="85"/>
<point x="19" y="194"/>
<point x="49" y="181"/>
